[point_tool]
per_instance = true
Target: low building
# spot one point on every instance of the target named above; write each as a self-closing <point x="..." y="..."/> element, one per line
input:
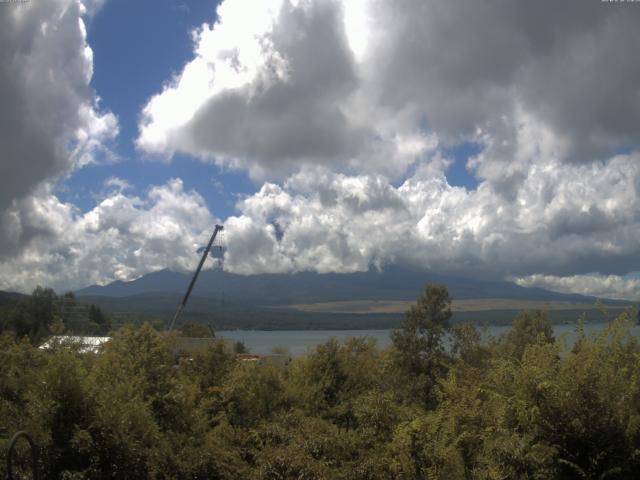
<point x="82" y="344"/>
<point x="275" y="360"/>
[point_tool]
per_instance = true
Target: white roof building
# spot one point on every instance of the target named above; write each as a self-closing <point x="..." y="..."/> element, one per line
<point x="83" y="344"/>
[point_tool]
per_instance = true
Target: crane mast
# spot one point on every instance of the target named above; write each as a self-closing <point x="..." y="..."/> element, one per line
<point x="195" y="276"/>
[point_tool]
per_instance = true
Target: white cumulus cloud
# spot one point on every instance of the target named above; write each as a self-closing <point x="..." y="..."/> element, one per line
<point x="565" y="219"/>
<point x="351" y="84"/>
<point x="50" y="120"/>
<point x="279" y="88"/>
<point x="601" y="286"/>
<point x="122" y="238"/>
<point x="344" y="111"/>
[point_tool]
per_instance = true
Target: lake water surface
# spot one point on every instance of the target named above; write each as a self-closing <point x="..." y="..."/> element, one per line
<point x="299" y="342"/>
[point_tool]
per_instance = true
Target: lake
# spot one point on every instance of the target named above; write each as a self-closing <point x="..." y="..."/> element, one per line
<point x="299" y="342"/>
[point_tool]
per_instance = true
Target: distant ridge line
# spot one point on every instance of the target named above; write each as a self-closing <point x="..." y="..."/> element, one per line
<point x="394" y="283"/>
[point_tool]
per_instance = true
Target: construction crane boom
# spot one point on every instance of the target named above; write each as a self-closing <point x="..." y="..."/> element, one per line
<point x="195" y="276"/>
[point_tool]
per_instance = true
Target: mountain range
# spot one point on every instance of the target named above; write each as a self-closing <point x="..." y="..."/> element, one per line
<point x="307" y="300"/>
<point x="393" y="283"/>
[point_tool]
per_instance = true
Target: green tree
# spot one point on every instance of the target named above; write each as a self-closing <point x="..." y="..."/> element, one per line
<point x="583" y="403"/>
<point x="529" y="327"/>
<point x="298" y="446"/>
<point x="252" y="393"/>
<point x="194" y="329"/>
<point x="97" y="317"/>
<point x="59" y="407"/>
<point x="239" y="347"/>
<point x="419" y="357"/>
<point x="328" y="381"/>
<point x="468" y="346"/>
<point x="210" y="366"/>
<point x="33" y="316"/>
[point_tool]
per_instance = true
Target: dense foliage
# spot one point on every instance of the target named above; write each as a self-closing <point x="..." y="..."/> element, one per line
<point x="439" y="403"/>
<point x="43" y="313"/>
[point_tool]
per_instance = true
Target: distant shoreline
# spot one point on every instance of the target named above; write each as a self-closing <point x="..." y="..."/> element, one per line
<point x="298" y="342"/>
<point x="462" y="305"/>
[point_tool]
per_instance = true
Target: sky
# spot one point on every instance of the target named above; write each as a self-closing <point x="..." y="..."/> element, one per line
<point x="494" y="139"/>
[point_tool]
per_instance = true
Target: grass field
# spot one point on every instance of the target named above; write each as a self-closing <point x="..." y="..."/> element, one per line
<point x="466" y="305"/>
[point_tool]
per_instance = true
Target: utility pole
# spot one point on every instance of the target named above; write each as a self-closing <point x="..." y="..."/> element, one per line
<point x="195" y="277"/>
